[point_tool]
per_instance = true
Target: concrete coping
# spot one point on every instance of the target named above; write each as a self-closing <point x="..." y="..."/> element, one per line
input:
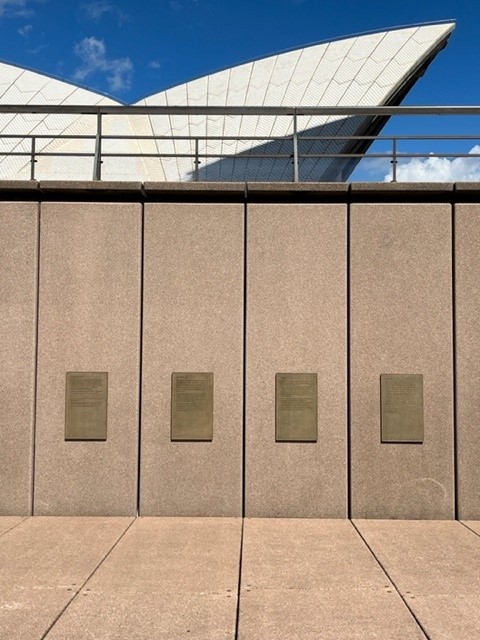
<point x="89" y="185"/>
<point x="298" y="186"/>
<point x="467" y="186"/>
<point x="18" y="185"/>
<point x="155" y="187"/>
<point x="385" y="187"/>
<point x="235" y="191"/>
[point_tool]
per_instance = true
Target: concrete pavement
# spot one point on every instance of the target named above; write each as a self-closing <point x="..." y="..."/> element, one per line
<point x="224" y="578"/>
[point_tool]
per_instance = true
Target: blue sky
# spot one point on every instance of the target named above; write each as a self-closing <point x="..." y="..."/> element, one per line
<point x="133" y="49"/>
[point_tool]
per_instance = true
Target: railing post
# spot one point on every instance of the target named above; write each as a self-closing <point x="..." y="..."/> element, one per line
<point x="394" y="160"/>
<point x="295" y="147"/>
<point x="97" y="169"/>
<point x="197" y="162"/>
<point x="32" y="159"/>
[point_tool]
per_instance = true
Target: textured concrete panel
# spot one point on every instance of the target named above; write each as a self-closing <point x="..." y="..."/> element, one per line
<point x="167" y="578"/>
<point x="467" y="314"/>
<point x="193" y="322"/>
<point x="45" y="562"/>
<point x="296" y="323"/>
<point x="309" y="579"/>
<point x="89" y="321"/>
<point x="434" y="565"/>
<point x="9" y="522"/>
<point x="401" y="323"/>
<point x="474" y="525"/>
<point x="18" y="293"/>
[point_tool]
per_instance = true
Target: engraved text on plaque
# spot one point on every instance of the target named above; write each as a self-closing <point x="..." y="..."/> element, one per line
<point x="86" y="406"/>
<point x="402" y="407"/>
<point x="296" y="407"/>
<point x="192" y="406"/>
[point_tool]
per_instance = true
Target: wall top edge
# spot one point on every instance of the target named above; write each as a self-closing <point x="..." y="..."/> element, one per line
<point x="338" y="187"/>
<point x="88" y="185"/>
<point x="368" y="187"/>
<point x="108" y="185"/>
<point x="238" y="191"/>
<point x="158" y="187"/>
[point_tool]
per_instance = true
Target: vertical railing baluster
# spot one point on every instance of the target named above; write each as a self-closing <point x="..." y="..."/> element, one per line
<point x="32" y="159"/>
<point x="97" y="169"/>
<point x="197" y="162"/>
<point x="394" y="159"/>
<point x="295" y="148"/>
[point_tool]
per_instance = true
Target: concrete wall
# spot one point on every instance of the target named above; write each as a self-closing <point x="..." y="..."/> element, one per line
<point x="348" y="283"/>
<point x="401" y="322"/>
<point x="18" y="304"/>
<point x="89" y="320"/>
<point x="467" y="295"/>
<point x="193" y="322"/>
<point x="296" y="322"/>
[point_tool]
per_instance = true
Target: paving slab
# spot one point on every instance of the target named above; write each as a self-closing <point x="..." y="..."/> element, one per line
<point x="306" y="579"/>
<point x="474" y="525"/>
<point x="9" y="522"/>
<point x="44" y="562"/>
<point x="167" y="578"/>
<point x="435" y="566"/>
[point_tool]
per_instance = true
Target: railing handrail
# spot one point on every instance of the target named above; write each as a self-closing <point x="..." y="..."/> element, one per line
<point x="421" y="110"/>
<point x="295" y="137"/>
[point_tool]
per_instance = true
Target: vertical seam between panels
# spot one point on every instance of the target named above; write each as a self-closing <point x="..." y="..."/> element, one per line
<point x="244" y="364"/>
<point x="348" y="366"/>
<point x="140" y="374"/>
<point x="35" y="364"/>
<point x="454" y="367"/>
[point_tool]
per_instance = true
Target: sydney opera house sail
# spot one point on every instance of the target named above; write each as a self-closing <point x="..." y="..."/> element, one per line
<point x="373" y="69"/>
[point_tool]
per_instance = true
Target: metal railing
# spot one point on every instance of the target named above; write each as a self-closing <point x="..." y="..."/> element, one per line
<point x="295" y="156"/>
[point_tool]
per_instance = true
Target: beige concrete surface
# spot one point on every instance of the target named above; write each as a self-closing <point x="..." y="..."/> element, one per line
<point x="209" y="187"/>
<point x="193" y="322"/>
<point x="401" y="322"/>
<point x="167" y="578"/>
<point x="467" y="314"/>
<point x="435" y="566"/>
<point x="18" y="305"/>
<point x="420" y="188"/>
<point x="474" y="525"/>
<point x="44" y="563"/>
<point x="297" y="187"/>
<point x="91" y="578"/>
<point x="9" y="522"/>
<point x="310" y="579"/>
<point x="89" y="320"/>
<point x="296" y="323"/>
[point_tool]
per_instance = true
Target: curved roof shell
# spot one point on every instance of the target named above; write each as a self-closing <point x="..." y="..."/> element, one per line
<point x="371" y="69"/>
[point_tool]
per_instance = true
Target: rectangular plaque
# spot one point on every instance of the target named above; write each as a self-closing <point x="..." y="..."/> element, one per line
<point x="402" y="407"/>
<point x="192" y="406"/>
<point x="296" y="407"/>
<point x="86" y="406"/>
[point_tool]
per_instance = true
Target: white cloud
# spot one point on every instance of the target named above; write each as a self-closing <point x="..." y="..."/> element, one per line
<point x="434" y="169"/>
<point x="154" y="64"/>
<point x="14" y="8"/>
<point x="93" y="55"/>
<point x="25" y="31"/>
<point x="96" y="10"/>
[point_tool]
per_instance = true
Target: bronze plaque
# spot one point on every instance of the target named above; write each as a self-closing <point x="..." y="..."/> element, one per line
<point x="402" y="407"/>
<point x="296" y="407"/>
<point x="86" y="406"/>
<point x="192" y="406"/>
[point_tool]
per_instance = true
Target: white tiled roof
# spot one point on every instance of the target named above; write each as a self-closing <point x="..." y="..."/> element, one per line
<point x="361" y="70"/>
